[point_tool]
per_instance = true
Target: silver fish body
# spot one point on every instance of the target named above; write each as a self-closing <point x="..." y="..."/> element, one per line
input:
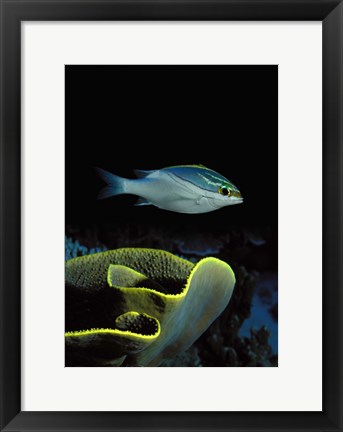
<point x="182" y="189"/>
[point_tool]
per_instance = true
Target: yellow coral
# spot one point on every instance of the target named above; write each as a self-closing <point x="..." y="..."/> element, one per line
<point x="122" y="290"/>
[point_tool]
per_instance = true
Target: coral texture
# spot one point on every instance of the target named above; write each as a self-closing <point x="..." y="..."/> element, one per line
<point x="139" y="307"/>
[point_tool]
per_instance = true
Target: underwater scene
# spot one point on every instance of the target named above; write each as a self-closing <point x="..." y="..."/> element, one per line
<point x="171" y="216"/>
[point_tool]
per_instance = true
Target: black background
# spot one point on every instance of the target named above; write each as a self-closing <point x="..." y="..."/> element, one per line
<point x="124" y="117"/>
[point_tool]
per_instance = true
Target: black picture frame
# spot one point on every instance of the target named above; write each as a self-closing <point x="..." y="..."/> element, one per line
<point x="13" y="12"/>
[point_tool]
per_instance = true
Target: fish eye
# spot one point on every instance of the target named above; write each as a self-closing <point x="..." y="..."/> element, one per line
<point x="225" y="191"/>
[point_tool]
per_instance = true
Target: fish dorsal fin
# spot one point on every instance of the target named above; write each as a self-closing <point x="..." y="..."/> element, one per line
<point x="142" y="173"/>
<point x="142" y="201"/>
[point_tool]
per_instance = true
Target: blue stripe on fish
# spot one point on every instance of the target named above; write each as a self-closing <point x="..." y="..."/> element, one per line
<point x="200" y="176"/>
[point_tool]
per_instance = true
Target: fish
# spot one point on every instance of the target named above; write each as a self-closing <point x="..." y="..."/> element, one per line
<point x="188" y="189"/>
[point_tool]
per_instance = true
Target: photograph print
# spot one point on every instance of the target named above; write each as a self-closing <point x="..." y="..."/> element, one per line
<point x="171" y="216"/>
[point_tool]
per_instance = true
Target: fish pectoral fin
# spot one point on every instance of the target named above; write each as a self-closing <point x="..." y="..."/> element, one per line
<point x="142" y="201"/>
<point x="201" y="200"/>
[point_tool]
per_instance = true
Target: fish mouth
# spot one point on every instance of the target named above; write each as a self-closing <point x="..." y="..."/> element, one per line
<point x="236" y="200"/>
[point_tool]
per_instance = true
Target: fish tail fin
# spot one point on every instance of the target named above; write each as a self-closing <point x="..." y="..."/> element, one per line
<point x="115" y="184"/>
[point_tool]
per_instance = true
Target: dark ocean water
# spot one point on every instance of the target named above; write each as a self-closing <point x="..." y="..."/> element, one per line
<point x="264" y="309"/>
